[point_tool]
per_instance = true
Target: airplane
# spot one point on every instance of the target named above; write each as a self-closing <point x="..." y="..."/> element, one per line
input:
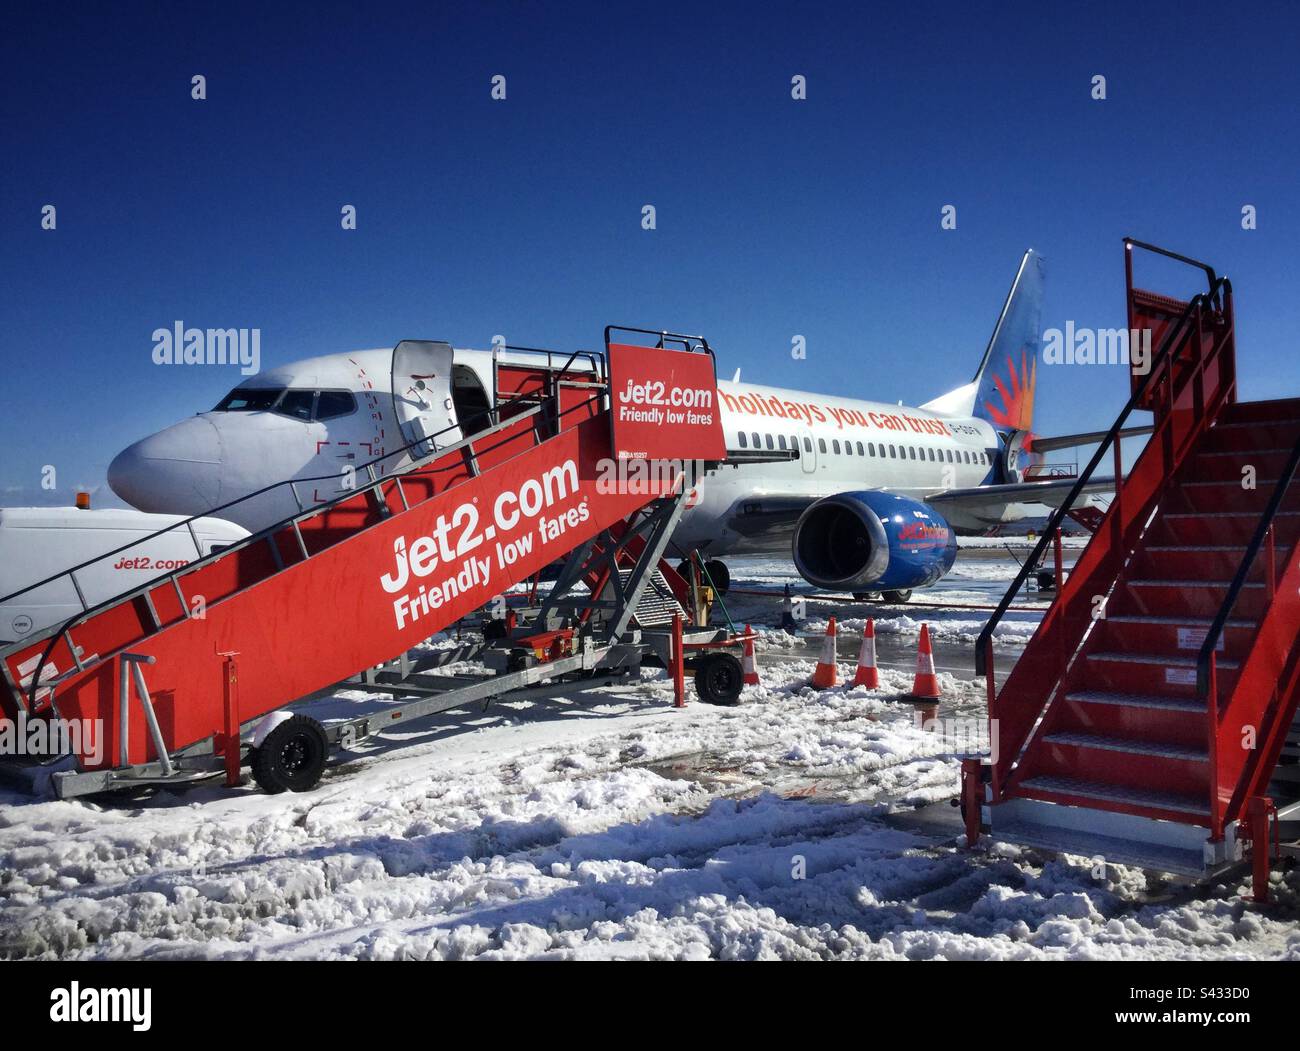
<point x="865" y="496"/>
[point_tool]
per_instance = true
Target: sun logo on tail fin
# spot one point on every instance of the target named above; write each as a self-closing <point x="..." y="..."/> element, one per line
<point x="1016" y="411"/>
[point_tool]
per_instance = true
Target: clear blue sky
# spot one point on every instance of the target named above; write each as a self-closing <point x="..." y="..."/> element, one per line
<point x="522" y="217"/>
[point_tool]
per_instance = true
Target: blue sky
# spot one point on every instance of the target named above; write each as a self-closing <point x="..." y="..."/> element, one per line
<point x="522" y="217"/>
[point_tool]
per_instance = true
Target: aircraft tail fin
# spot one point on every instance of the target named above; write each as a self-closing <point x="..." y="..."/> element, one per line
<point x="1002" y="391"/>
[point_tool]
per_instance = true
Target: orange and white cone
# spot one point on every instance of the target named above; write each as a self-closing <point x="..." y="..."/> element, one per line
<point x="867" y="674"/>
<point x="747" y="662"/>
<point x="925" y="687"/>
<point x="827" y="673"/>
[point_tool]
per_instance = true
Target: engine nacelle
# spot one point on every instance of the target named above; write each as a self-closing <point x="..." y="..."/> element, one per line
<point x="872" y="541"/>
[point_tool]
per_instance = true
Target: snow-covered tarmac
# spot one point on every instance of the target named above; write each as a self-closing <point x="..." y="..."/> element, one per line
<point x="611" y="825"/>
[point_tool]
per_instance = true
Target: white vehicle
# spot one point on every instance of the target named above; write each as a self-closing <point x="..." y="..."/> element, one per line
<point x="866" y="500"/>
<point x="37" y="543"/>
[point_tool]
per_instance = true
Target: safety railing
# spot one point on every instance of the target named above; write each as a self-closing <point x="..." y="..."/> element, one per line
<point x="1175" y="379"/>
<point x="473" y="446"/>
<point x="1260" y="686"/>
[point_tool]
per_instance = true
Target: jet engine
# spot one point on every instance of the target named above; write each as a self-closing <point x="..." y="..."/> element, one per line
<point x="872" y="541"/>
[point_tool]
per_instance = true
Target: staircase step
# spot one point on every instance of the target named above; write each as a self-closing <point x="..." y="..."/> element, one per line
<point x="1168" y="802"/>
<point x="1220" y="560"/>
<point x="1208" y="496"/>
<point x="1227" y="464"/>
<point x="1154" y="633"/>
<point x="1271" y="409"/>
<point x="1158" y="749"/>
<point x="1221" y="527"/>
<point x="1136" y="700"/>
<point x="1151" y="672"/>
<point x="1145" y="855"/>
<point x="1251" y="435"/>
<point x="1181" y="721"/>
<point x="1164" y="660"/>
<point x="1183" y="597"/>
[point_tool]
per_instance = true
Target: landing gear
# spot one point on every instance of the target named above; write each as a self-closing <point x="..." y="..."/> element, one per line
<point x="719" y="678"/>
<point x="902" y="595"/>
<point x="292" y="757"/>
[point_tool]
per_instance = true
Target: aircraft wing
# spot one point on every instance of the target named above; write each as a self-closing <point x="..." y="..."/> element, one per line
<point x="1073" y="441"/>
<point x="1049" y="491"/>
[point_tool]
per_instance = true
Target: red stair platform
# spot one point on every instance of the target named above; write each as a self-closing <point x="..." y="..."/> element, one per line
<point x="1147" y="716"/>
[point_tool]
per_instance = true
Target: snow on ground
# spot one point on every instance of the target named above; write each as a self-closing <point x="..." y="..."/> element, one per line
<point x="603" y="825"/>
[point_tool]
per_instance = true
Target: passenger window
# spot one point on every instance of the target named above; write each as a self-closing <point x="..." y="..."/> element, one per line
<point x="770" y="443"/>
<point x="860" y="452"/>
<point x="821" y="444"/>
<point x="807" y="445"/>
<point x="744" y="443"/>
<point x="871" y="448"/>
<point x="757" y="444"/>
<point x="334" y="403"/>
<point x="296" y="403"/>
<point x="780" y="442"/>
<point x="892" y="454"/>
<point x="911" y="451"/>
<point x="835" y="444"/>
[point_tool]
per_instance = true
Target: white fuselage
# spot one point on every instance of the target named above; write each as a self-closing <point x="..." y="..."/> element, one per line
<point x="844" y="445"/>
<point x="217" y="457"/>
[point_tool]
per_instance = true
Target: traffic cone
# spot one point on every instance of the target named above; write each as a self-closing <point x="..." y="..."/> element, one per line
<point x="827" y="673"/>
<point x="925" y="687"/>
<point x="867" y="674"/>
<point x="747" y="662"/>
<point x="787" y="614"/>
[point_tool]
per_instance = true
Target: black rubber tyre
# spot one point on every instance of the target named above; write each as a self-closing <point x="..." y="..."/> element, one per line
<point x="897" y="596"/>
<point x="867" y="596"/>
<point x="684" y="571"/>
<point x="719" y="678"/>
<point x="719" y="574"/>
<point x="292" y="758"/>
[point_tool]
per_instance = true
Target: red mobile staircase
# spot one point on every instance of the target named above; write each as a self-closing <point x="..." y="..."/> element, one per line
<point x="1146" y="717"/>
<point x="350" y="584"/>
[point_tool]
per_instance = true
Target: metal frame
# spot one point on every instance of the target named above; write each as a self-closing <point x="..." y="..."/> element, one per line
<point x="603" y="623"/>
<point x="610" y="647"/>
<point x="268" y="535"/>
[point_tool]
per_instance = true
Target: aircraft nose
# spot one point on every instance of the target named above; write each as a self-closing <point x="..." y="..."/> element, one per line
<point x="176" y="471"/>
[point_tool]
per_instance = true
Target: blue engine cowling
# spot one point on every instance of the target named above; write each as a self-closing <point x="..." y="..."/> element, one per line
<point x="872" y="541"/>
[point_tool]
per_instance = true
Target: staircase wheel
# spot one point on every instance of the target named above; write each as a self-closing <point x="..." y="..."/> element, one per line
<point x="719" y="678"/>
<point x="719" y="574"/>
<point x="292" y="758"/>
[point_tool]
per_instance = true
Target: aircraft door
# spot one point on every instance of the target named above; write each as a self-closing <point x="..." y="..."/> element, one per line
<point x="808" y="453"/>
<point x="422" y="399"/>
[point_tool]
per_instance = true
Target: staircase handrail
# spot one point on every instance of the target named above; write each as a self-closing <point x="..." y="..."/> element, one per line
<point x="1159" y="363"/>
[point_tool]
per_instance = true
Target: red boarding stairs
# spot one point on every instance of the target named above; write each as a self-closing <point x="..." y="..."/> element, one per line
<point x="352" y="583"/>
<point x="1145" y="721"/>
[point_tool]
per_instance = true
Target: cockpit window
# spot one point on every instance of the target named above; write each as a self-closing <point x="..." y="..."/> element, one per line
<point x="296" y="403"/>
<point x="249" y="399"/>
<point x="333" y="403"/>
